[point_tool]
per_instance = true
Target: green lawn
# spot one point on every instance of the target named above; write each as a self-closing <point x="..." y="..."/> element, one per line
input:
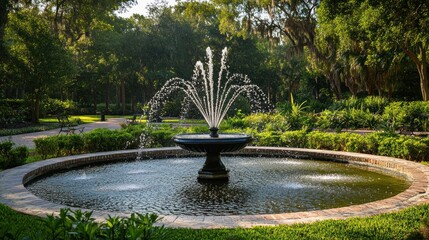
<point x="29" y="129"/>
<point x="83" y="118"/>
<point x="404" y="224"/>
<point x="49" y="123"/>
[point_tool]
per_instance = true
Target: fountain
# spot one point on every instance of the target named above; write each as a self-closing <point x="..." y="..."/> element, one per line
<point x="212" y="98"/>
<point x="269" y="185"/>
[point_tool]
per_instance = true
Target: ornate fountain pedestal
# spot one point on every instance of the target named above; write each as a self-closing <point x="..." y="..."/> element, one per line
<point x="213" y="145"/>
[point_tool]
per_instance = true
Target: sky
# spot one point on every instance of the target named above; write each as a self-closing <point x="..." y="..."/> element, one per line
<point x="140" y="8"/>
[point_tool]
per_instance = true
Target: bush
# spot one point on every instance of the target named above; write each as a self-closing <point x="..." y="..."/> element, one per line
<point x="332" y="120"/>
<point x="56" y="106"/>
<point x="409" y="148"/>
<point x="266" y="122"/>
<point x="47" y="146"/>
<point x="100" y="140"/>
<point x="161" y="138"/>
<point x="373" y="104"/>
<point x="294" y="139"/>
<point x="267" y="138"/>
<point x="70" y="144"/>
<point x="13" y="112"/>
<point x="11" y="156"/>
<point x="357" y="143"/>
<point x="407" y="116"/>
<point x="321" y="140"/>
<point x="348" y="118"/>
<point x="71" y="225"/>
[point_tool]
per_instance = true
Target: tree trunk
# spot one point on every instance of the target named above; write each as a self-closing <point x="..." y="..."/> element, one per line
<point x="107" y="98"/>
<point x="421" y="65"/>
<point x="35" y="109"/>
<point x="424" y="86"/>
<point x="423" y="73"/>
<point x="117" y="97"/>
<point x="94" y="101"/>
<point x="4" y="11"/>
<point x="123" y="97"/>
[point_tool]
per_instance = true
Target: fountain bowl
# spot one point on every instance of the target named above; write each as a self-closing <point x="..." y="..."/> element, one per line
<point x="213" y="145"/>
<point x="199" y="142"/>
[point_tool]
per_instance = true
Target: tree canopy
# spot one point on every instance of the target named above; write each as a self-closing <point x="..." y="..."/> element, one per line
<point x="317" y="50"/>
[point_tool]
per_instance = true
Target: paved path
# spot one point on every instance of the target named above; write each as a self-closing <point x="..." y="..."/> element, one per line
<point x="26" y="139"/>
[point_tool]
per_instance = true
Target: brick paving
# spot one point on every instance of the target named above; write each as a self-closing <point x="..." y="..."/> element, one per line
<point x="14" y="194"/>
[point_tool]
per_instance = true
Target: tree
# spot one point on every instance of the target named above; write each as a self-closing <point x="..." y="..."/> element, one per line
<point x="401" y="26"/>
<point x="374" y="35"/>
<point x="40" y="64"/>
<point x="295" y="20"/>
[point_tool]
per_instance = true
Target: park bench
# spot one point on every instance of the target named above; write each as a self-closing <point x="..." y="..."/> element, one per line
<point x="67" y="127"/>
<point x="135" y="120"/>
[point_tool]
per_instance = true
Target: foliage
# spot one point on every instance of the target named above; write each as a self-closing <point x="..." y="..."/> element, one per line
<point x="405" y="147"/>
<point x="371" y="104"/>
<point x="11" y="156"/>
<point x="348" y="118"/>
<point x="410" y="223"/>
<point x="259" y="121"/>
<point x="407" y="116"/>
<point x="296" y="115"/>
<point x="100" y="140"/>
<point x="46" y="146"/>
<point x="27" y="129"/>
<point x="294" y="139"/>
<point x="364" y="43"/>
<point x="39" y="58"/>
<point x="79" y="225"/>
<point x="52" y="106"/>
<point x="13" y="111"/>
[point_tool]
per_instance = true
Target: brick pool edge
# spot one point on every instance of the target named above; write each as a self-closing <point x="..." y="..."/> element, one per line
<point x="14" y="194"/>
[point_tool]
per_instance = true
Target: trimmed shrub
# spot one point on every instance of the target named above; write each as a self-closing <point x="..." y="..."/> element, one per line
<point x="321" y="140"/>
<point x="11" y="156"/>
<point x="47" y="146"/>
<point x="70" y="144"/>
<point x="294" y="139"/>
<point x="357" y="143"/>
<point x="267" y="138"/>
<point x="100" y="140"/>
<point x="266" y="122"/>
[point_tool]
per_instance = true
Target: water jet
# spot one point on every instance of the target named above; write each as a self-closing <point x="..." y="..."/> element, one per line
<point x="213" y="98"/>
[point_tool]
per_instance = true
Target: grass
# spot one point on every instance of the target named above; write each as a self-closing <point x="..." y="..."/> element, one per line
<point x="82" y="118"/>
<point x="403" y="224"/>
<point x="177" y="120"/>
<point x="29" y="129"/>
<point x="49" y="123"/>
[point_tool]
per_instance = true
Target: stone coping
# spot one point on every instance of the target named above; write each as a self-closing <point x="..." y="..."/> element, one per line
<point x="14" y="194"/>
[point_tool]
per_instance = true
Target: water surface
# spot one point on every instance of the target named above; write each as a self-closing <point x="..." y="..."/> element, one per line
<point x="258" y="185"/>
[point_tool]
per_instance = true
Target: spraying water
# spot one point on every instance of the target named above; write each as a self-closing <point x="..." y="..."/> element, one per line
<point x="212" y="97"/>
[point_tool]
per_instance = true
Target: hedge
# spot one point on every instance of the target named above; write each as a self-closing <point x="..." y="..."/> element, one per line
<point x="385" y="144"/>
<point x="11" y="156"/>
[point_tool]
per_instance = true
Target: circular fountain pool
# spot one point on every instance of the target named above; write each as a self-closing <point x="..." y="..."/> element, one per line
<point x="258" y="185"/>
<point x="329" y="180"/>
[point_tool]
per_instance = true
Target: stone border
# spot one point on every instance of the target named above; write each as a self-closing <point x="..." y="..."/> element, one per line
<point x="15" y="195"/>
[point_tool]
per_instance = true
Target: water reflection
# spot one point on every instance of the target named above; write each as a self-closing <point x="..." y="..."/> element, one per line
<point x="258" y="185"/>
